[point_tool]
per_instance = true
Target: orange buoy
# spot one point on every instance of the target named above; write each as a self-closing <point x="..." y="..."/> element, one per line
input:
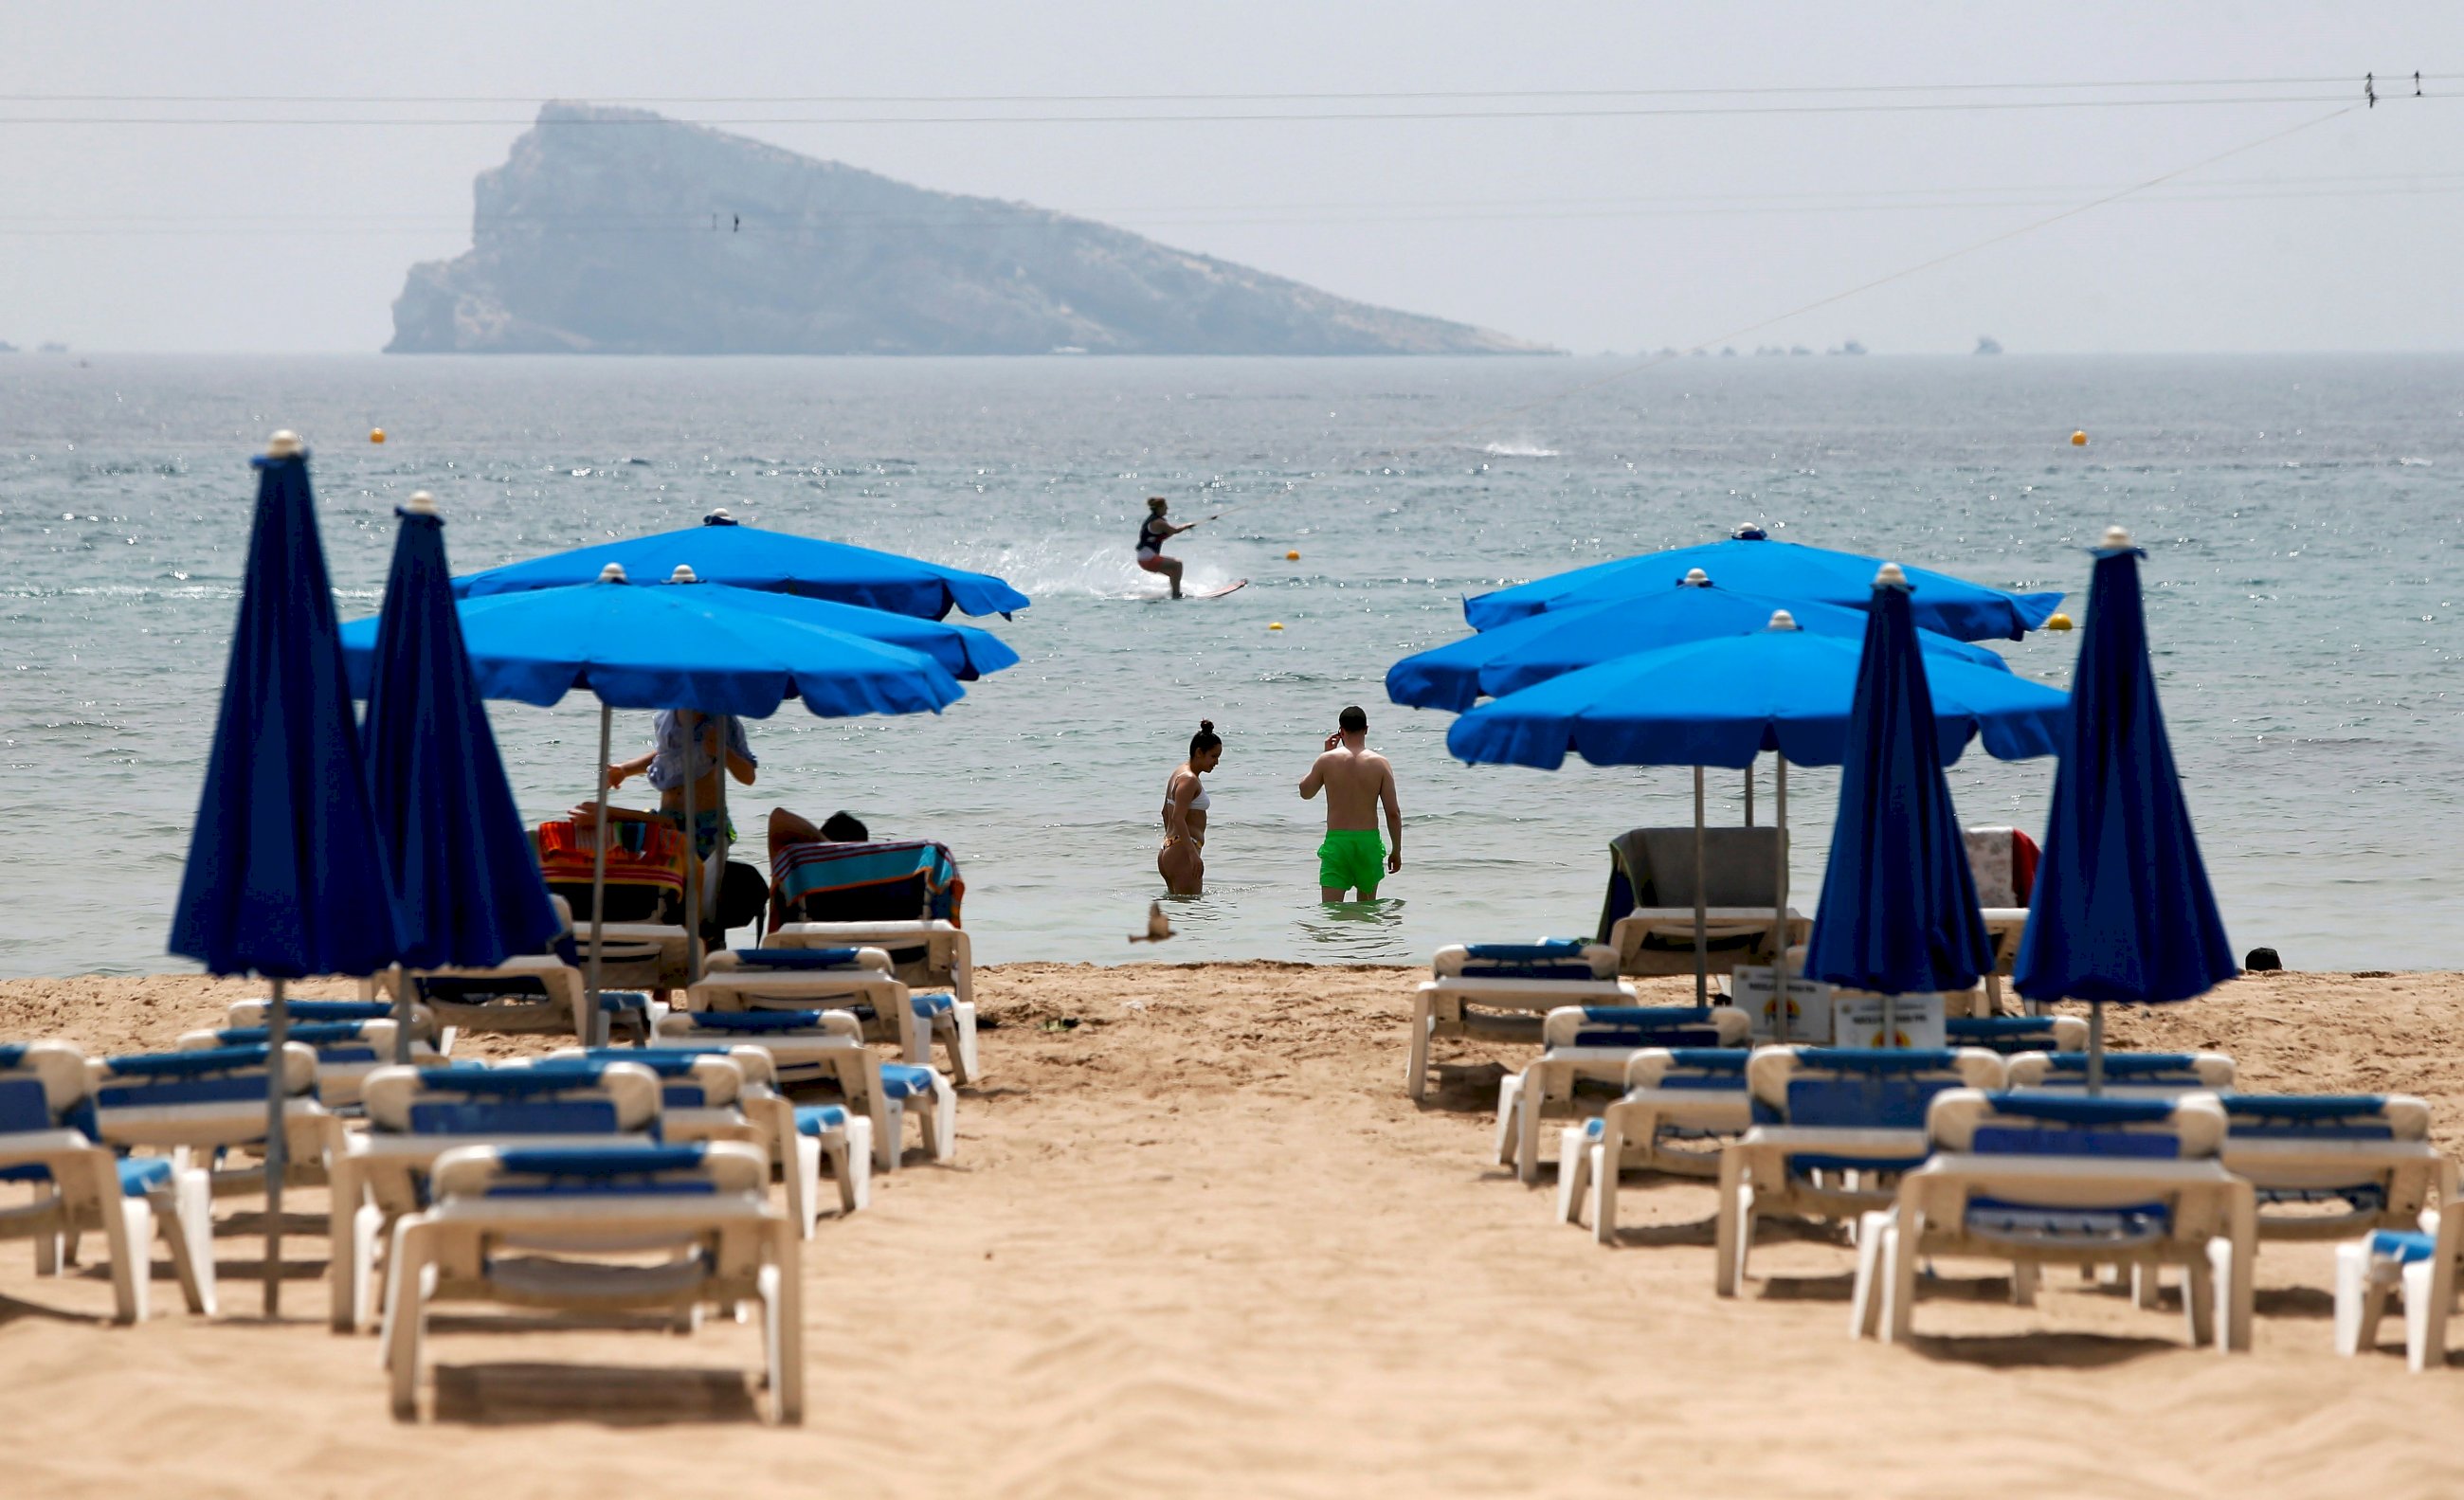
<point x="2058" y="621"/>
<point x="375" y="434"/>
<point x="2078" y="439"/>
<point x="1291" y="556"/>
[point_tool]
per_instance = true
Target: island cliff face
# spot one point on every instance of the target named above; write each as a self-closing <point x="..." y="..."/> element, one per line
<point x="616" y="231"/>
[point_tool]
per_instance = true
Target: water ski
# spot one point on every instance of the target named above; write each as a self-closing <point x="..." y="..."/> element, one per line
<point x="1215" y="593"/>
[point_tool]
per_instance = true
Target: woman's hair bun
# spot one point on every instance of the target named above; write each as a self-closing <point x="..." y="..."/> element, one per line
<point x="1206" y="726"/>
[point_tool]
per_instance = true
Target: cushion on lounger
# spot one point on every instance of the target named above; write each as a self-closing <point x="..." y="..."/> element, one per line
<point x="139" y="1174"/>
<point x="905" y="1081"/>
<point x="2403" y="1245"/>
<point x="819" y="1119"/>
<point x="2031" y="1224"/>
<point x="757" y="1020"/>
<point x="1546" y="950"/>
<point x="796" y="958"/>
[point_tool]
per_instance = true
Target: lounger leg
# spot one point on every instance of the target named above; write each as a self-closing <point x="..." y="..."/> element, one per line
<point x="1573" y="1172"/>
<point x="2024" y="1278"/>
<point x="1865" y="1303"/>
<point x="800" y="1162"/>
<point x="787" y="1343"/>
<point x="2361" y="1298"/>
<point x="2241" y="1286"/>
<point x="962" y="1040"/>
<point x="2147" y="1281"/>
<point x="1510" y="1096"/>
<point x="1415" y="1069"/>
<point x="889" y="1131"/>
<point x="368" y="1231"/>
<point x="1899" y="1259"/>
<point x="128" y="1233"/>
<point x="185" y="1210"/>
<point x="2428" y="1298"/>
<point x="943" y="1121"/>
<point x="1526" y="1132"/>
<point x="344" y="1268"/>
<point x="48" y="1251"/>
<point x="852" y="1159"/>
<point x="2199" y="1282"/>
<point x="409" y="1280"/>
<point x="1729" y="1232"/>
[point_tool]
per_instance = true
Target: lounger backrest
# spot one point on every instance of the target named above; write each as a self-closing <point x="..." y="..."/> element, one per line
<point x="598" y="1098"/>
<point x="686" y="1080"/>
<point x="210" y="1097"/>
<point x="316" y="1012"/>
<point x="754" y="1028"/>
<point x="2063" y="1124"/>
<point x="1645" y="1026"/>
<point x="752" y="1062"/>
<point x="2010" y="1035"/>
<point x="827" y="960"/>
<point x="1549" y="958"/>
<point x="1848" y="1087"/>
<point x="580" y="1174"/>
<point x="333" y="1042"/>
<point x="2144" y="1073"/>
<point x="2311" y="1117"/>
<point x="42" y="1086"/>
<point x="1711" y="1069"/>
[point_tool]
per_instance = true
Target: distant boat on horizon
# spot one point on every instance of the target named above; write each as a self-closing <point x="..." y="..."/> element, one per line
<point x="1987" y="343"/>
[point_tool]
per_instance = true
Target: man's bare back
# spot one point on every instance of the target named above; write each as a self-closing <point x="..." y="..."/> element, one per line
<point x="1357" y="781"/>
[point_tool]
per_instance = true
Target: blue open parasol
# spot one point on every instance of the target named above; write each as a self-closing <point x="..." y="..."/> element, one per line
<point x="1751" y="563"/>
<point x="1899" y="913"/>
<point x="721" y="551"/>
<point x="2123" y="911"/>
<point x="466" y="881"/>
<point x="1509" y="657"/>
<point x="286" y="873"/>
<point x="963" y="651"/>
<point x="1724" y="701"/>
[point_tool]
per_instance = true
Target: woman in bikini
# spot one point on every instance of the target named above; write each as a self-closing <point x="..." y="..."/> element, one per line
<point x="1183" y="859"/>
<point x="1152" y="533"/>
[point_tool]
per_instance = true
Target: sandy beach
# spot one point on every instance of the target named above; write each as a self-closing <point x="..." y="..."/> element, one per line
<point x="1200" y="1243"/>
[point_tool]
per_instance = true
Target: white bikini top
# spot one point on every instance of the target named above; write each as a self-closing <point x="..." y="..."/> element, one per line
<point x="1196" y="804"/>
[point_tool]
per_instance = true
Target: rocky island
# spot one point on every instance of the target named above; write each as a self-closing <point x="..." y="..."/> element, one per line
<point x="618" y="231"/>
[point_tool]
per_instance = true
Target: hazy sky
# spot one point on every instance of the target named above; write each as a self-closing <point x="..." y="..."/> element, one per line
<point x="1591" y="233"/>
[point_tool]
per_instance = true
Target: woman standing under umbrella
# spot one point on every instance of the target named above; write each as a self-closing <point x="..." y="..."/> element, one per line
<point x="1183" y="859"/>
<point x="667" y="763"/>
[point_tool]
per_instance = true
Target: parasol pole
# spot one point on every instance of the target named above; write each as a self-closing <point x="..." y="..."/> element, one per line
<point x="692" y="848"/>
<point x="1702" y="917"/>
<point x="1779" y="902"/>
<point x="1750" y="794"/>
<point x="2094" y="1047"/>
<point x="588" y="1026"/>
<point x="277" y="1031"/>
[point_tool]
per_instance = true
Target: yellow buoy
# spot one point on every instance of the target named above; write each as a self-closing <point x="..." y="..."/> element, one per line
<point x="1275" y="626"/>
<point x="1291" y="556"/>
<point x="2058" y="621"/>
<point x="2078" y="439"/>
<point x="375" y="434"/>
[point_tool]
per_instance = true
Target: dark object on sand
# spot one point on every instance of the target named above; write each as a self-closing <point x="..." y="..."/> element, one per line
<point x="2263" y="960"/>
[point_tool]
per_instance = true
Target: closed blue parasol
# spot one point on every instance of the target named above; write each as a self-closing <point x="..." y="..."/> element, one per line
<point x="466" y="882"/>
<point x="1752" y="563"/>
<point x="286" y="873"/>
<point x="1537" y="647"/>
<point x="721" y="551"/>
<point x="2123" y="911"/>
<point x="1898" y="912"/>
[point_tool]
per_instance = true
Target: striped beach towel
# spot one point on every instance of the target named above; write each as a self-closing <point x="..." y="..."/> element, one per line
<point x="899" y="881"/>
<point x="643" y="857"/>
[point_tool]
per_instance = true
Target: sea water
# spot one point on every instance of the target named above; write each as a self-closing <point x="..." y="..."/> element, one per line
<point x="2302" y="516"/>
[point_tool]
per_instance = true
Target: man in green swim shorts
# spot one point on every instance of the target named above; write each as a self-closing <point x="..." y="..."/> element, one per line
<point x="1357" y="781"/>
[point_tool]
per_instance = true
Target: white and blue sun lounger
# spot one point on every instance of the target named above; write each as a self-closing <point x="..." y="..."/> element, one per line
<point x="827" y="1047"/>
<point x="214" y="1100"/>
<point x="1501" y="992"/>
<point x="924" y="954"/>
<point x="859" y="980"/>
<point x="2012" y="1035"/>
<point x="566" y="1230"/>
<point x="2059" y="1179"/>
<point x="423" y="1024"/>
<point x="2328" y="1165"/>
<point x="1658" y="941"/>
<point x="1591" y="1044"/>
<point x="1834" y="1129"/>
<point x="2421" y="1264"/>
<point x="47" y="1141"/>
<point x="1673" y="1097"/>
<point x="731" y="1092"/>
<point x="346" y="1053"/>
<point x="531" y="992"/>
<point x="416" y="1114"/>
<point x="2127" y="1075"/>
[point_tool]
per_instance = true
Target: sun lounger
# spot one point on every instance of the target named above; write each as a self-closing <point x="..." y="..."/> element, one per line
<point x="1673" y="1095"/>
<point x="2419" y="1263"/>
<point x="2004" y="925"/>
<point x="1501" y="991"/>
<point x="2057" y="1178"/>
<point x="423" y="1024"/>
<point x="2127" y="1075"/>
<point x="346" y="1053"/>
<point x="565" y="1231"/>
<point x="416" y="1114"/>
<point x="924" y="955"/>
<point x="2012" y="1035"/>
<point x="827" y="1047"/>
<point x="731" y="1092"/>
<point x="1660" y="940"/>
<point x="79" y="1184"/>
<point x="859" y="980"/>
<point x="537" y="992"/>
<point x="1834" y="1129"/>
<point x="2327" y="1165"/>
<point x="1591" y="1045"/>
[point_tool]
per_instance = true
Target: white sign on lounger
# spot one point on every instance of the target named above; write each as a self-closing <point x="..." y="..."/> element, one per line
<point x="1809" y="1004"/>
<point x="1856" y="1020"/>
